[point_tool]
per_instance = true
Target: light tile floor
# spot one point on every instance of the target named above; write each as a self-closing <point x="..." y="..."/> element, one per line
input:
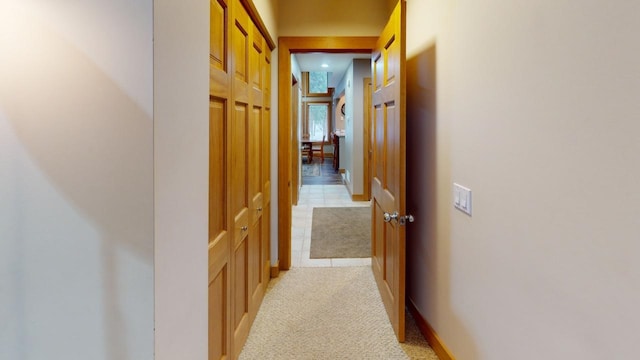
<point x="318" y="196"/>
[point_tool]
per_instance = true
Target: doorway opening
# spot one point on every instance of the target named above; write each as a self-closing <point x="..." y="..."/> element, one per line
<point x="321" y="196"/>
<point x="288" y="140"/>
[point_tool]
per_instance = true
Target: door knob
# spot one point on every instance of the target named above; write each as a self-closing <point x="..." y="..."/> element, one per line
<point x="406" y="218"/>
<point x="388" y="217"/>
<point x="402" y="220"/>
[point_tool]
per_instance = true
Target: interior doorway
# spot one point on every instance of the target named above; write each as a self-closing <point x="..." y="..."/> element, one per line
<point x="288" y="46"/>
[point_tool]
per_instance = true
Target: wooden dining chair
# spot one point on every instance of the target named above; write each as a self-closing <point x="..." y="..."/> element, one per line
<point x="305" y="152"/>
<point x="336" y="151"/>
<point x="319" y="148"/>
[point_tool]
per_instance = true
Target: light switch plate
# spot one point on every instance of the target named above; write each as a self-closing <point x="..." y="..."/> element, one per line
<point x="462" y="198"/>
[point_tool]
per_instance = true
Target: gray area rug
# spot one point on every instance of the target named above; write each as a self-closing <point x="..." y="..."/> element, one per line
<point x="311" y="169"/>
<point x="343" y="232"/>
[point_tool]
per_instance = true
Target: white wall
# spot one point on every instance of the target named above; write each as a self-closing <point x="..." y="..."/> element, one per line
<point x="76" y="180"/>
<point x="533" y="105"/>
<point x="181" y="129"/>
<point x="347" y="150"/>
<point x="352" y="83"/>
<point x="361" y="70"/>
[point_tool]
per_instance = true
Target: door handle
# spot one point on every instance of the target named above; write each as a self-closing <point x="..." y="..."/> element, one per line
<point x="406" y="218"/>
<point x="402" y="220"/>
<point x="388" y="217"/>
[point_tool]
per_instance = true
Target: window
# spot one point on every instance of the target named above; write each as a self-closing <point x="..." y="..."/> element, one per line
<point x="318" y="82"/>
<point x="318" y="120"/>
<point x="317" y="99"/>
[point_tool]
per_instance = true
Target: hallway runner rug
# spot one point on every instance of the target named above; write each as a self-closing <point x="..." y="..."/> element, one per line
<point x="341" y="232"/>
<point x="328" y="313"/>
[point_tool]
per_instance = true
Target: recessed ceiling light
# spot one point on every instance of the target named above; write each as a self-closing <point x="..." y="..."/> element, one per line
<point x="325" y="65"/>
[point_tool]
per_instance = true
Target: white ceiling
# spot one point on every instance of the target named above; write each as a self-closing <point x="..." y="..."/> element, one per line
<point x="338" y="63"/>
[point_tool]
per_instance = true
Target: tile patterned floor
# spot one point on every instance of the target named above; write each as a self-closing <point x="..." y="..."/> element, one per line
<point x="318" y="196"/>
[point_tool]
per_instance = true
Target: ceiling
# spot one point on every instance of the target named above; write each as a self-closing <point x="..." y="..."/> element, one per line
<point x="338" y="63"/>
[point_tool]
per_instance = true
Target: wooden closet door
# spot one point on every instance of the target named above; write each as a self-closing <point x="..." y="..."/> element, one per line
<point x="255" y="244"/>
<point x="266" y="169"/>
<point x="242" y="114"/>
<point x="239" y="178"/>
<point x="219" y="221"/>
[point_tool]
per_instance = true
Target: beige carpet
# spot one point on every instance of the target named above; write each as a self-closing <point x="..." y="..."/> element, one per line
<point x="326" y="313"/>
<point x="341" y="232"/>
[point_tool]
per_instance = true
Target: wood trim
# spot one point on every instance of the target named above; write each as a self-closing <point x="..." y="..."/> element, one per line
<point x="287" y="46"/>
<point x="255" y="16"/>
<point x="349" y="44"/>
<point x="284" y="156"/>
<point x="367" y="140"/>
<point x="359" y="197"/>
<point x="275" y="270"/>
<point x="429" y="334"/>
<point x="296" y="180"/>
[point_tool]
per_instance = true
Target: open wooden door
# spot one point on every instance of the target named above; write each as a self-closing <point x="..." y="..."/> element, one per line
<point x="389" y="170"/>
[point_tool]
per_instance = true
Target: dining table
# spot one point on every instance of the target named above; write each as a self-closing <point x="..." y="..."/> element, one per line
<point x="308" y="145"/>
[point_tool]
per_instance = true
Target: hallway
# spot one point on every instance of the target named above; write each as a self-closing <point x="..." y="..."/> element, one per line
<point x="327" y="308"/>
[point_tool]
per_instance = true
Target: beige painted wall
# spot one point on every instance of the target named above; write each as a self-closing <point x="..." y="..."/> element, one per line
<point x="181" y="152"/>
<point x="76" y="180"/>
<point x="331" y="17"/>
<point x="534" y="107"/>
<point x="268" y="10"/>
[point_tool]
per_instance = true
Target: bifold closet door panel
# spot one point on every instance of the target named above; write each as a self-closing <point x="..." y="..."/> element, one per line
<point x="219" y="292"/>
<point x="239" y="183"/>
<point x="241" y="33"/>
